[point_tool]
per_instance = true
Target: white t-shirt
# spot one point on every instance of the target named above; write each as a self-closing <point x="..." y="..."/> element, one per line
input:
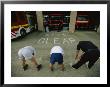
<point x="57" y="49"/>
<point x="26" y="52"/>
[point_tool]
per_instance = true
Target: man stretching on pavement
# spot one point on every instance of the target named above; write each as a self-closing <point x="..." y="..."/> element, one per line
<point x="91" y="54"/>
<point x="56" y="56"/>
<point x="28" y="53"/>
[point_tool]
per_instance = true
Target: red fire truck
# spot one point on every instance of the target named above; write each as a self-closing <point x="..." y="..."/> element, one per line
<point x="55" y="22"/>
<point x="82" y="21"/>
<point x="19" y="24"/>
<point x="87" y="20"/>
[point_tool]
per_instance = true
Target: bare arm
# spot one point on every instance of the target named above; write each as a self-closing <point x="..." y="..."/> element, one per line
<point x="77" y="53"/>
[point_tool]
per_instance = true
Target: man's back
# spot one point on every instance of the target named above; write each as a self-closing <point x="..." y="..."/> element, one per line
<point x="57" y="49"/>
<point x="27" y="52"/>
<point x="86" y="45"/>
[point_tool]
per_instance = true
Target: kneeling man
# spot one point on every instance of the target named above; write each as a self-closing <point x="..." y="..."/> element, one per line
<point x="56" y="56"/>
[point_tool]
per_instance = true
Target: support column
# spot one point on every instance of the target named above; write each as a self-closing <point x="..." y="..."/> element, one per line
<point x="73" y="16"/>
<point x="28" y="18"/>
<point x="40" y="20"/>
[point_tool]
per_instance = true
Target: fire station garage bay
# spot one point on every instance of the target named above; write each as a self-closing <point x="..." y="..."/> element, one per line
<point x="45" y="29"/>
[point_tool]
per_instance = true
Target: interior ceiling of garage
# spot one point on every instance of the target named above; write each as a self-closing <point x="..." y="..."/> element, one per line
<point x="56" y="12"/>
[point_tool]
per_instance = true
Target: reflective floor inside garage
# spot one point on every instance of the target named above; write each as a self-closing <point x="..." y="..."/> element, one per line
<point x="43" y="42"/>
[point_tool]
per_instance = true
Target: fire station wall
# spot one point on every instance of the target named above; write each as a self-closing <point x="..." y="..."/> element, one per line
<point x="40" y="20"/>
<point x="73" y="15"/>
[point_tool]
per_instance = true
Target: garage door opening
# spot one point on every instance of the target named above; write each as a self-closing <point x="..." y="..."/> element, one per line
<point x="87" y="20"/>
<point x="56" y="20"/>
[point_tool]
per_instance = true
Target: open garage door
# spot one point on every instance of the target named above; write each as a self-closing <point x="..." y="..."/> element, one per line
<point x="87" y="20"/>
<point x="56" y="20"/>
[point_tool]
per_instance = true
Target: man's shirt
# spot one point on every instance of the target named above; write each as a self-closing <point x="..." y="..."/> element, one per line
<point x="85" y="46"/>
<point x="26" y="52"/>
<point x="57" y="49"/>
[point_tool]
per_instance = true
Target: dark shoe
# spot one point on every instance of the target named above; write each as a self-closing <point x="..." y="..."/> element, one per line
<point x="39" y="67"/>
<point x="52" y="69"/>
<point x="25" y="67"/>
<point x="73" y="67"/>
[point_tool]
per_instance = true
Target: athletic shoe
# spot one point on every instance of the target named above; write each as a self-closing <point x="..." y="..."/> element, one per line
<point x="52" y="69"/>
<point x="39" y="67"/>
<point x="73" y="67"/>
<point x="25" y="67"/>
